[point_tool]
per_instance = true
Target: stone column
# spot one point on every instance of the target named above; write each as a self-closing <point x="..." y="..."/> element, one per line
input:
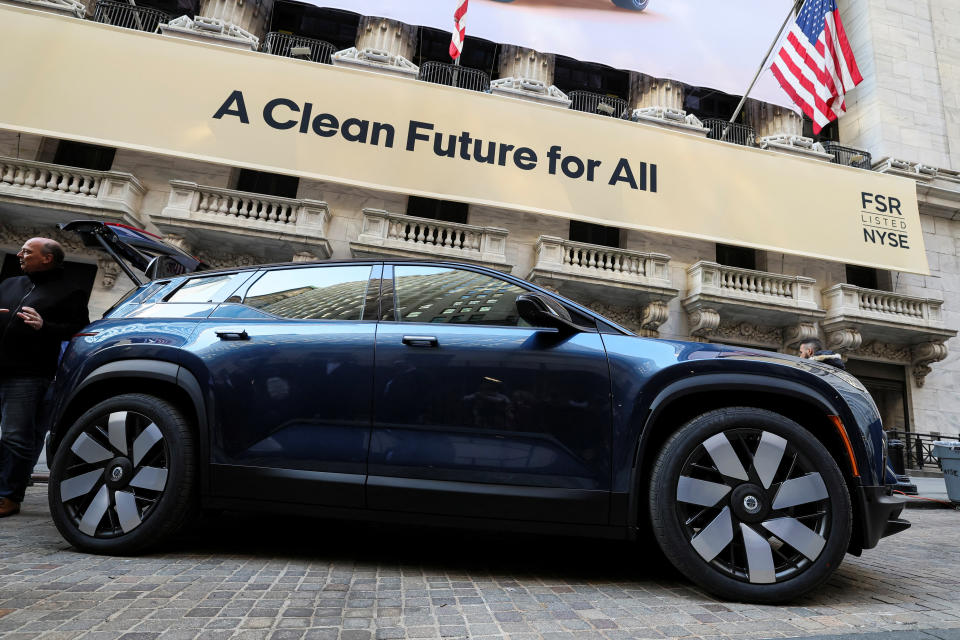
<point x="383" y="45"/>
<point x="528" y="74"/>
<point x="781" y="129"/>
<point x="660" y="101"/>
<point x="235" y="23"/>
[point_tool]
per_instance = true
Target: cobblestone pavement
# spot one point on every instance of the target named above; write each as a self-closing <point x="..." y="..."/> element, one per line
<point x="241" y="576"/>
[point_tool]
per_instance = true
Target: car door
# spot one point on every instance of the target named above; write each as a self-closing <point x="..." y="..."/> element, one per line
<point x="478" y="415"/>
<point x="290" y="367"/>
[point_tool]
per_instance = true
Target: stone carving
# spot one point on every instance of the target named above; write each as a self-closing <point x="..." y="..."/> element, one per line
<point x="109" y="270"/>
<point x="795" y="335"/>
<point x="224" y="260"/>
<point x="751" y="333"/>
<point x="844" y="340"/>
<point x="703" y="322"/>
<point x="178" y="241"/>
<point x="624" y="316"/>
<point x="71" y="243"/>
<point x="304" y="256"/>
<point x="884" y="351"/>
<point x="654" y="315"/>
<point x="923" y="355"/>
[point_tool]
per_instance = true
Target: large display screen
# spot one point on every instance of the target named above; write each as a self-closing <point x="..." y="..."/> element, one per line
<point x="704" y="43"/>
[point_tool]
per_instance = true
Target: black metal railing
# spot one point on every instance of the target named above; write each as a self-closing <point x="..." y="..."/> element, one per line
<point x="918" y="447"/>
<point x="291" y="46"/>
<point x="736" y="133"/>
<point x="454" y="76"/>
<point x="605" y="105"/>
<point x="128" y="16"/>
<point x="848" y="156"/>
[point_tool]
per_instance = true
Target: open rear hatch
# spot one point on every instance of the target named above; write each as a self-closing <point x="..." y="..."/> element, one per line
<point x="135" y="250"/>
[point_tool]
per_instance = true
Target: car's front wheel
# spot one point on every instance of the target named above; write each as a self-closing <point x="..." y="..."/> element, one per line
<point x="123" y="476"/>
<point x="750" y="505"/>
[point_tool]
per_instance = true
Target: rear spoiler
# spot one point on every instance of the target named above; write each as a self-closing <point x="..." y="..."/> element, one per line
<point x="140" y="249"/>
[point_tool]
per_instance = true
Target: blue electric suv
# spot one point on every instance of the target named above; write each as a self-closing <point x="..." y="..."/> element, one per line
<point x="416" y="391"/>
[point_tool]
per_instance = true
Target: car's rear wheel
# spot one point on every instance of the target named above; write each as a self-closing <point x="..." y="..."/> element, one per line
<point x="750" y="505"/>
<point x="123" y="476"/>
<point x="636" y="5"/>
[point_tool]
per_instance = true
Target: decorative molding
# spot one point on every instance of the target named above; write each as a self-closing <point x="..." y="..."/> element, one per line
<point x="668" y="117"/>
<point x="654" y="315"/>
<point x="224" y="260"/>
<point x="109" y="270"/>
<point x="379" y="60"/>
<point x="530" y="89"/>
<point x="304" y="256"/>
<point x="624" y="316"/>
<point x="211" y="29"/>
<point x="884" y="352"/>
<point x="923" y="355"/>
<point x="747" y="332"/>
<point x="178" y="241"/>
<point x="703" y="321"/>
<point x="72" y="246"/>
<point x="795" y="335"/>
<point x="844" y="340"/>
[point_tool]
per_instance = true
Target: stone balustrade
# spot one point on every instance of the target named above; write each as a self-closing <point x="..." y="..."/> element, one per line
<point x="386" y="233"/>
<point x="110" y="195"/>
<point x="710" y="278"/>
<point x="855" y="302"/>
<point x="63" y="7"/>
<point x="559" y="256"/>
<point x="192" y="206"/>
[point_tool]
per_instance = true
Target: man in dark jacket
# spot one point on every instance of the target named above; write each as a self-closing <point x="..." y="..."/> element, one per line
<point x="813" y="349"/>
<point x="38" y="311"/>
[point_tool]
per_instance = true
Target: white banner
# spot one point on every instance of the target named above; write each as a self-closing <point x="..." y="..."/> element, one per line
<point x="704" y="43"/>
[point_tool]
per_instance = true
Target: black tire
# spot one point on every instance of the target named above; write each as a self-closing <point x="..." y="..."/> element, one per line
<point x="636" y="5"/>
<point x="745" y="478"/>
<point x="123" y="476"/>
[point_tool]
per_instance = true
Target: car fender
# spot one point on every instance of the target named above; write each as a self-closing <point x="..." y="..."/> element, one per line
<point x="728" y="381"/>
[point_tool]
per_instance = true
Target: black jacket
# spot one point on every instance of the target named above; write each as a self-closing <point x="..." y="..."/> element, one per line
<point x="829" y="357"/>
<point x="25" y="351"/>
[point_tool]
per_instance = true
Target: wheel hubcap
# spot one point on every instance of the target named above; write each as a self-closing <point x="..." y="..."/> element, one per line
<point x="115" y="474"/>
<point x="753" y="506"/>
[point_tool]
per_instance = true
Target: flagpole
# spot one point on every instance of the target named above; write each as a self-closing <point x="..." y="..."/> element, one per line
<point x="794" y="7"/>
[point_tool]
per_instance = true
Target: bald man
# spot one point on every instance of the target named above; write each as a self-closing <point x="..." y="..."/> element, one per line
<point x="38" y="311"/>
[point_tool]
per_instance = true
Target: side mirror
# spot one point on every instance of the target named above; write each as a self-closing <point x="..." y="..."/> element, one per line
<point x="541" y="311"/>
<point x="164" y="267"/>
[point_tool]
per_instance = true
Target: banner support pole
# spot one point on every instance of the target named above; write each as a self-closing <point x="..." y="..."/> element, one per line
<point x="794" y="7"/>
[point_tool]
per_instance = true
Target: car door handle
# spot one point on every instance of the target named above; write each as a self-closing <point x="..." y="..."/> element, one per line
<point x="420" y="341"/>
<point x="233" y="335"/>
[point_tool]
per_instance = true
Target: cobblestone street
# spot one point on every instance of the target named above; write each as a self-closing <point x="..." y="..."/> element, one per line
<point x="264" y="577"/>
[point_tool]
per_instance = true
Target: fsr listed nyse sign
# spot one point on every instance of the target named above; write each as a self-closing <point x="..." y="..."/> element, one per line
<point x="401" y="136"/>
<point x="883" y="222"/>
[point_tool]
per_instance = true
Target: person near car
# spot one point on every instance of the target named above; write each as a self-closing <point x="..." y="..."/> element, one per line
<point x="38" y="311"/>
<point x="812" y="349"/>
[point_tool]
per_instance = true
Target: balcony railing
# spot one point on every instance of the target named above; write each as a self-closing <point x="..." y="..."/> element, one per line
<point x="454" y="76"/>
<point x="605" y="105"/>
<point x="868" y="304"/>
<point x="557" y="256"/>
<point x="736" y="133"/>
<point x="712" y="279"/>
<point x="848" y="156"/>
<point x="128" y="16"/>
<point x="271" y="218"/>
<point x="398" y="234"/>
<point x="918" y="448"/>
<point x="107" y="194"/>
<point x="291" y="46"/>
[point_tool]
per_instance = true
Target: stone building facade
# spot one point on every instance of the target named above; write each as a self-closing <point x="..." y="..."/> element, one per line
<point x="898" y="334"/>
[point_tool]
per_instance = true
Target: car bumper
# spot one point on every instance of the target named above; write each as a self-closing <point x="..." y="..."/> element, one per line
<point x="880" y="513"/>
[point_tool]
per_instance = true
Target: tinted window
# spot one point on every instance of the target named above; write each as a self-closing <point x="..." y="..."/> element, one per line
<point x="733" y="256"/>
<point x="438" y="294"/>
<point x="445" y="210"/>
<point x="205" y="289"/>
<point x="84" y="156"/>
<point x="319" y="293"/>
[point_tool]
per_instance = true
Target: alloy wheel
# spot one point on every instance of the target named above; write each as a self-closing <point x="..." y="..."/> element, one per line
<point x="115" y="474"/>
<point x="753" y="506"/>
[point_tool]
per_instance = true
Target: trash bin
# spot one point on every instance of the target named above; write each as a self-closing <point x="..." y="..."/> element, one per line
<point x="895" y="454"/>
<point x="949" y="454"/>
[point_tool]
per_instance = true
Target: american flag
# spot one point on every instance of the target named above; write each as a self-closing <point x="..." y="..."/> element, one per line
<point x="459" y="29"/>
<point x="816" y="66"/>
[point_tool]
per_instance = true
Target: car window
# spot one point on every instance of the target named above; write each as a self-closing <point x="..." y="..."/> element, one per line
<point x="318" y="293"/>
<point x="207" y="289"/>
<point x="455" y="296"/>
